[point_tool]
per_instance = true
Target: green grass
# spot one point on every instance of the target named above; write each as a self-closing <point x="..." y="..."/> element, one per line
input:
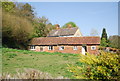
<point x="0" y="61"/>
<point x="53" y="63"/>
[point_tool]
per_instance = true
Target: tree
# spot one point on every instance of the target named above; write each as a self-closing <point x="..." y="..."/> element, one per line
<point x="104" y="41"/>
<point x="69" y="23"/>
<point x="114" y="41"/>
<point x="104" y="34"/>
<point x="16" y="31"/>
<point x="43" y="20"/>
<point x="26" y="10"/>
<point x="8" y="7"/>
<point x="19" y="24"/>
<point x="94" y="32"/>
<point x="42" y="27"/>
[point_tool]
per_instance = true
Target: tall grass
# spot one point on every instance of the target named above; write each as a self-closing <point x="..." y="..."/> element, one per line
<point x="29" y="74"/>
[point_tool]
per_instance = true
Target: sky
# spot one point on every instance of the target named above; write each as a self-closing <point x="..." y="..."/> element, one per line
<point x="86" y="15"/>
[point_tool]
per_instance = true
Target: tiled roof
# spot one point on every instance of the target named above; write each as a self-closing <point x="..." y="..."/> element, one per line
<point x="64" y="40"/>
<point x="63" y="32"/>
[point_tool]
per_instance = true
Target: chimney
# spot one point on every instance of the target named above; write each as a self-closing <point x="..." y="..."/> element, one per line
<point x="69" y="26"/>
<point x="57" y="26"/>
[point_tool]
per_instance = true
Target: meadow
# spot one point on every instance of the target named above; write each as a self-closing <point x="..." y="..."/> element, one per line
<point x="52" y="63"/>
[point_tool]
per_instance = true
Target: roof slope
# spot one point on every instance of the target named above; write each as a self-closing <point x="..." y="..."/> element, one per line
<point x="63" y="32"/>
<point x="64" y="40"/>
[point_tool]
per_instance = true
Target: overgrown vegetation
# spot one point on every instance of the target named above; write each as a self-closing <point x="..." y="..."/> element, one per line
<point x="29" y="74"/>
<point x="112" y="41"/>
<point x="19" y="25"/>
<point x="115" y="41"/>
<point x="104" y="66"/>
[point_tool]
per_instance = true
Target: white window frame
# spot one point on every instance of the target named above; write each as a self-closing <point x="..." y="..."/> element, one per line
<point x="75" y="48"/>
<point x="60" y="48"/>
<point x="93" y="47"/>
<point x="32" y="47"/>
<point x="49" y="48"/>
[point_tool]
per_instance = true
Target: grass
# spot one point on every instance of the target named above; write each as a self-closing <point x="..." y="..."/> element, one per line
<point x="0" y="61"/>
<point x="53" y="63"/>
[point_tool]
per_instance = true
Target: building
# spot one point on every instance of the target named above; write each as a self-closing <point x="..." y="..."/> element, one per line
<point x="65" y="32"/>
<point x="75" y="45"/>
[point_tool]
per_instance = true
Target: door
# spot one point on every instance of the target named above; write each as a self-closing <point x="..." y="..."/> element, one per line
<point x="84" y="50"/>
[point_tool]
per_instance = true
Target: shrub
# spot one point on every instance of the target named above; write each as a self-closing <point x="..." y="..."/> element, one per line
<point x="104" y="66"/>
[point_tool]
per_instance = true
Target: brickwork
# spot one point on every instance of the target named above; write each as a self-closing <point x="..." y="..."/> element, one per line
<point x="67" y="49"/>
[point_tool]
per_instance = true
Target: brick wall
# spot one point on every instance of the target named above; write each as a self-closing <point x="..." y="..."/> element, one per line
<point x="93" y="51"/>
<point x="68" y="49"/>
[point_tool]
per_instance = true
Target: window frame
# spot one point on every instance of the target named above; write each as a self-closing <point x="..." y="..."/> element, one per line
<point x="75" y="48"/>
<point x="61" y="47"/>
<point x="50" y="48"/>
<point x="92" y="47"/>
<point x="32" y="47"/>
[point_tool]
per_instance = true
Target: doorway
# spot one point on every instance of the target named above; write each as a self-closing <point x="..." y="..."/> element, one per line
<point x="84" y="50"/>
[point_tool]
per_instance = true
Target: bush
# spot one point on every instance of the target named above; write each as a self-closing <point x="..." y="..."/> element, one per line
<point x="104" y="66"/>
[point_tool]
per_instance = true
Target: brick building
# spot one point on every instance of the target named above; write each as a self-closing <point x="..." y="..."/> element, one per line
<point x="74" y="45"/>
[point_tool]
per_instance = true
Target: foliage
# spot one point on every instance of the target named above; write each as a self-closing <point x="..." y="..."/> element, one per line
<point x="20" y="25"/>
<point x="27" y="11"/>
<point x="16" y="24"/>
<point x="8" y="7"/>
<point x="42" y="27"/>
<point x="17" y="29"/>
<point x="114" y="41"/>
<point x="104" y="34"/>
<point x="40" y="30"/>
<point x="104" y="66"/>
<point x="69" y="23"/>
<point x="104" y="41"/>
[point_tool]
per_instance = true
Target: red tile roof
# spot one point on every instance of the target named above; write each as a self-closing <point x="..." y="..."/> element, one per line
<point x="64" y="40"/>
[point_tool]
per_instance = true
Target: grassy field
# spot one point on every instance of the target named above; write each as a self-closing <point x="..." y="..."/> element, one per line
<point x="53" y="63"/>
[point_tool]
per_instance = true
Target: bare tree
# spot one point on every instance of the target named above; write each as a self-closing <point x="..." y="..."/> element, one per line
<point x="94" y="32"/>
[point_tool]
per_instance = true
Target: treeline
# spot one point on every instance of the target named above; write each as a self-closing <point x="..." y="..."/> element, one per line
<point x="20" y="24"/>
<point x="115" y="41"/>
<point x="112" y="41"/>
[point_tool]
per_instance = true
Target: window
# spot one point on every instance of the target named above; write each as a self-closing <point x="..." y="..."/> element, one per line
<point x="32" y="47"/>
<point x="74" y="47"/>
<point x="93" y="47"/>
<point x="61" y="48"/>
<point x="50" y="47"/>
